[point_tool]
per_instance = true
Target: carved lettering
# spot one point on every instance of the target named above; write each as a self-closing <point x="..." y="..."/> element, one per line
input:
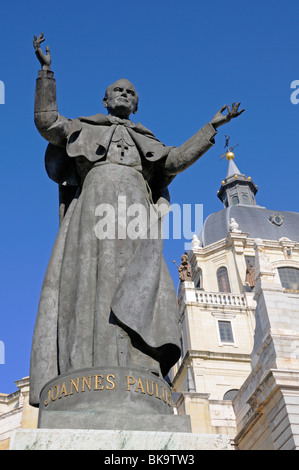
<point x="98" y="382"/>
<point x="130" y="381"/>
<point x="63" y="391"/>
<point x="157" y="394"/>
<point x="164" y="395"/>
<point x="47" y="401"/>
<point x="110" y="382"/>
<point x="147" y="388"/>
<point x="75" y="385"/>
<point x="84" y="381"/>
<point x="54" y="397"/>
<point x="139" y="386"/>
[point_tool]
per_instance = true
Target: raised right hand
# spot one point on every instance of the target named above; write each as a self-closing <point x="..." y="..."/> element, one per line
<point x="44" y="59"/>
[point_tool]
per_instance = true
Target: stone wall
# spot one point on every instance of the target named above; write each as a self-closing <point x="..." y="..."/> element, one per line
<point x="15" y="412"/>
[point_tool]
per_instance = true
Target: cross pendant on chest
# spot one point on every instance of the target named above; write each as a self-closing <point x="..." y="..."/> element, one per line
<point x="122" y="147"/>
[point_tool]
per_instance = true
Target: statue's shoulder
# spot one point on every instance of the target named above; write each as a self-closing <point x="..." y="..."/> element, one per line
<point x="143" y="130"/>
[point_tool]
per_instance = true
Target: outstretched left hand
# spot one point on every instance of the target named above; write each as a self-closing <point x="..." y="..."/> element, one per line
<point x="219" y="119"/>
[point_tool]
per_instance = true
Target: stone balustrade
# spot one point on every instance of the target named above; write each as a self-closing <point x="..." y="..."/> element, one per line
<point x="220" y="298"/>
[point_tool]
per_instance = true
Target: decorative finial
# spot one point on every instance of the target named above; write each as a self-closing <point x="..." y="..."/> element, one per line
<point x="195" y="242"/>
<point x="229" y="153"/>
<point x="234" y="226"/>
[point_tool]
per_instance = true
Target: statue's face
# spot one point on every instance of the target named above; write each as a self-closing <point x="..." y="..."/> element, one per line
<point x="121" y="99"/>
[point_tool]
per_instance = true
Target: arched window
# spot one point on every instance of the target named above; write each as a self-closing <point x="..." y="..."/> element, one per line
<point x="245" y="199"/>
<point x="223" y="281"/>
<point x="230" y="394"/>
<point x="235" y="200"/>
<point x="198" y="280"/>
<point x="289" y="278"/>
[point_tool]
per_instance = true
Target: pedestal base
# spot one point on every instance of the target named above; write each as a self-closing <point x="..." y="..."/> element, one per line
<point x="107" y="399"/>
<point x="77" y="439"/>
<point x="96" y="388"/>
<point x="112" y="419"/>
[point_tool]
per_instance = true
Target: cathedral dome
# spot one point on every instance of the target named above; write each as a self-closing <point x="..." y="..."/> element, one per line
<point x="257" y="221"/>
<point x="237" y="193"/>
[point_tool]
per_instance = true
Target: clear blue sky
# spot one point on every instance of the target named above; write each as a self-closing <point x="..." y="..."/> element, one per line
<point x="186" y="60"/>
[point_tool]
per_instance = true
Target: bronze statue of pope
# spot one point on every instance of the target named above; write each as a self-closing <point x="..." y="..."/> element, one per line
<point x="107" y="301"/>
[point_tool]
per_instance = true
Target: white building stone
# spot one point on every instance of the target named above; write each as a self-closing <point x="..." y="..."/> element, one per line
<point x="239" y="370"/>
<point x="15" y="412"/>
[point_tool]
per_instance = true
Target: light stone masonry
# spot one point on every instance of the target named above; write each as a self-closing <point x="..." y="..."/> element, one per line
<point x="74" y="439"/>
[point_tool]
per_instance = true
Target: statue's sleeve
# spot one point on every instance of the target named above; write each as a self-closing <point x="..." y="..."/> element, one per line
<point x="53" y="127"/>
<point x="180" y="158"/>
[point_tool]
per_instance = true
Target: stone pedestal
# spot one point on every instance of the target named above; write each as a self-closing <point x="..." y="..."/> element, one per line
<point x="76" y="439"/>
<point x="110" y="398"/>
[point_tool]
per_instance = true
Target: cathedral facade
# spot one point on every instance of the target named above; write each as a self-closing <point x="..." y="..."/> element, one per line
<point x="239" y="313"/>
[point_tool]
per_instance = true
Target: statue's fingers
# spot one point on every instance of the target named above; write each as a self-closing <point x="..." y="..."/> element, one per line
<point x="238" y="113"/>
<point x="36" y="43"/>
<point x="223" y="108"/>
<point x="41" y="38"/>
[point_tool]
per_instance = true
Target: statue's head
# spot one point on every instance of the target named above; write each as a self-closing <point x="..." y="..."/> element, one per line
<point x="121" y="99"/>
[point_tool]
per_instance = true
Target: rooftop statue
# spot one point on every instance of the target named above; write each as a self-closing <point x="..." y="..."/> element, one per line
<point x="185" y="272"/>
<point x="107" y="301"/>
